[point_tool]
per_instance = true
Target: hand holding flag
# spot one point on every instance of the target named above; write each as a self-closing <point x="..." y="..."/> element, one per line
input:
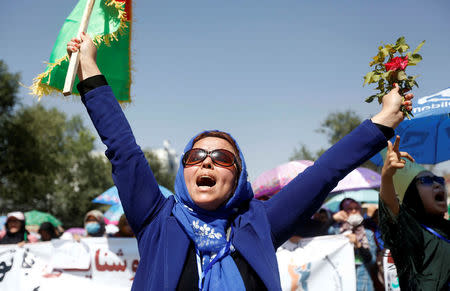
<point x="87" y="53"/>
<point x="110" y="29"/>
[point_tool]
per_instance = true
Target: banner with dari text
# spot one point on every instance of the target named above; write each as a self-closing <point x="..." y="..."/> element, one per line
<point x="99" y="264"/>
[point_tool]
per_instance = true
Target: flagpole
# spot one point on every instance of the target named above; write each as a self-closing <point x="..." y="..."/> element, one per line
<point x="75" y="58"/>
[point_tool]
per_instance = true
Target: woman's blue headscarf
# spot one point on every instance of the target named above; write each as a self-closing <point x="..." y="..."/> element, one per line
<point x="208" y="230"/>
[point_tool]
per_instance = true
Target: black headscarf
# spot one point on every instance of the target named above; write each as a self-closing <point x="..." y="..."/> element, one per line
<point x="414" y="205"/>
<point x="17" y="237"/>
<point x="48" y="227"/>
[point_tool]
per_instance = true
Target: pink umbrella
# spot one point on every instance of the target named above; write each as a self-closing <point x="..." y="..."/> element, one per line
<point x="76" y="230"/>
<point x="360" y="178"/>
<point x="272" y="181"/>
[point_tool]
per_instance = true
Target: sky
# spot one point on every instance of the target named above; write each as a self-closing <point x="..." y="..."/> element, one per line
<point x="266" y="71"/>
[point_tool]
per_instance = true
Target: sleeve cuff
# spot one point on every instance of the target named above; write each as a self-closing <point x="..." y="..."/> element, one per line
<point x="386" y="130"/>
<point x="91" y="83"/>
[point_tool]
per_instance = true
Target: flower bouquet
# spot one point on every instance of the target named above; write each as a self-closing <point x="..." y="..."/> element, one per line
<point x="393" y="71"/>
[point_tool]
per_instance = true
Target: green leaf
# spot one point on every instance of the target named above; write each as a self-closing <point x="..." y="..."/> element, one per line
<point x="401" y="75"/>
<point x="381" y="57"/>
<point x="384" y="52"/>
<point x="367" y="77"/>
<point x="391" y="49"/>
<point x="416" y="58"/>
<point x="418" y="47"/>
<point x="403" y="48"/>
<point x="400" y="41"/>
<point x="380" y="97"/>
<point x="387" y="75"/>
<point x="370" y="98"/>
<point x="409" y="84"/>
<point x="375" y="78"/>
<point x="376" y="60"/>
<point x="380" y="86"/>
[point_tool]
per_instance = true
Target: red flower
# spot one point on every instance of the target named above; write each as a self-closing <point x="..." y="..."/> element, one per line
<point x="397" y="63"/>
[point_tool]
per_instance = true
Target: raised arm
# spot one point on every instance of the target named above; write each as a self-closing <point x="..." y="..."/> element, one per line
<point x="392" y="163"/>
<point x="305" y="194"/>
<point x="138" y="189"/>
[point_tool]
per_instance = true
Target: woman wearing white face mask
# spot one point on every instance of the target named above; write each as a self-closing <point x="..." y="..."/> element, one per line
<point x="94" y="223"/>
<point x="350" y="224"/>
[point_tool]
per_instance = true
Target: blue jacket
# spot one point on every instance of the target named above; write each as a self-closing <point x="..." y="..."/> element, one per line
<point x="260" y="227"/>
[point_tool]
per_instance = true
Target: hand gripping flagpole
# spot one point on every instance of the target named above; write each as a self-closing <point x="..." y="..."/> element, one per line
<point x="75" y="58"/>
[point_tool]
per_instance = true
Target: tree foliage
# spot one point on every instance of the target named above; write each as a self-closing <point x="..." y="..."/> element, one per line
<point x="162" y="176"/>
<point x="49" y="165"/>
<point x="9" y="85"/>
<point x="334" y="127"/>
<point x="47" y="160"/>
<point x="339" y="124"/>
<point x="302" y="153"/>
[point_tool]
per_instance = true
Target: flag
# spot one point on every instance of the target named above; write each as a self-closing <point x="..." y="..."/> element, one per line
<point x="110" y="29"/>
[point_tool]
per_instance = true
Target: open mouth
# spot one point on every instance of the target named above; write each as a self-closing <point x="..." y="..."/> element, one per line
<point x="440" y="197"/>
<point x="206" y="181"/>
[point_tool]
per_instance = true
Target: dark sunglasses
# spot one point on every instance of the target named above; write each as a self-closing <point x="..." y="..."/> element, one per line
<point x="429" y="180"/>
<point x="220" y="157"/>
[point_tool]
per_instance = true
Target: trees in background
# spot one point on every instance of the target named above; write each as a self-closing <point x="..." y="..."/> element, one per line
<point x="164" y="177"/>
<point x="334" y="127"/>
<point x="47" y="161"/>
<point x="49" y="166"/>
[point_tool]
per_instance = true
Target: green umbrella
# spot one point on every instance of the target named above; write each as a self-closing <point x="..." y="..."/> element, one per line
<point x="35" y="217"/>
<point x="364" y="195"/>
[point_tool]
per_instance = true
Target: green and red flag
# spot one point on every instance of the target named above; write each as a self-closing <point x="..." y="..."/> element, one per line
<point x="110" y="29"/>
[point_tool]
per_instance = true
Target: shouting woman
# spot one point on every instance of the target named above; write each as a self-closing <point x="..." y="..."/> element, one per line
<point x="214" y="235"/>
<point x="412" y="208"/>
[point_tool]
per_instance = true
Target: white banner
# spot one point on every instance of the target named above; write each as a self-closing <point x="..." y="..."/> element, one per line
<point x="92" y="264"/>
<point x="319" y="263"/>
<point x="109" y="264"/>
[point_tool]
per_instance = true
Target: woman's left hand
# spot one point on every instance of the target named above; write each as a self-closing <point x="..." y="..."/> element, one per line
<point x="353" y="240"/>
<point x="394" y="159"/>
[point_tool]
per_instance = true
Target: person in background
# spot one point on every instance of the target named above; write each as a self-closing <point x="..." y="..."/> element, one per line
<point x="15" y="229"/>
<point x="94" y="223"/>
<point x="47" y="231"/>
<point x="124" y="228"/>
<point x="377" y="270"/>
<point x="318" y="225"/>
<point x="350" y="221"/>
<point x="412" y="205"/>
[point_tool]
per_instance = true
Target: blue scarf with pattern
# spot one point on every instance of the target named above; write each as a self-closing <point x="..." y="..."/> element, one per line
<point x="211" y="231"/>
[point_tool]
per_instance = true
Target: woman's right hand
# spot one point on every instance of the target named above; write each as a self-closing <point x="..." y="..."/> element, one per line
<point x="394" y="159"/>
<point x="88" y="56"/>
<point x="340" y="216"/>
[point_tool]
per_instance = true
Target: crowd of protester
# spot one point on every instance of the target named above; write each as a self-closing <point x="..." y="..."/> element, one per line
<point x="15" y="231"/>
<point x="360" y="224"/>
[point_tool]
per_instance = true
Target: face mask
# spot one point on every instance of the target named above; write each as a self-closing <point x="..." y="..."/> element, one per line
<point x="92" y="227"/>
<point x="355" y="219"/>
